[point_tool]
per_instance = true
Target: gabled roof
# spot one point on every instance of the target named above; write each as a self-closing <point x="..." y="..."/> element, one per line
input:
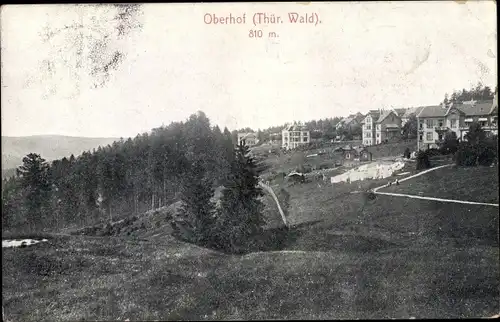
<point x="432" y="111"/>
<point x="400" y="111"/>
<point x="412" y="111"/>
<point x="385" y="114"/>
<point x="453" y="107"/>
<point x="373" y="113"/>
<point x="359" y="117"/>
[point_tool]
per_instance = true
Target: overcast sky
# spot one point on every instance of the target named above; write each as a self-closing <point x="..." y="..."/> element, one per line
<point x="59" y="75"/>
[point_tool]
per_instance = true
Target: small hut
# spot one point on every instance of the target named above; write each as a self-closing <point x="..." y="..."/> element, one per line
<point x="360" y="153"/>
<point x="296" y="177"/>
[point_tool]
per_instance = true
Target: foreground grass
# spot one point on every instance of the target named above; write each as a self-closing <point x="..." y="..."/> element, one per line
<point x="479" y="184"/>
<point x="395" y="258"/>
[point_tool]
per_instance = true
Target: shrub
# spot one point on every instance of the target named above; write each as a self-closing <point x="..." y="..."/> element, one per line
<point x="481" y="153"/>
<point x="450" y="144"/>
<point x="423" y="161"/>
<point x="433" y="152"/>
<point x="407" y="153"/>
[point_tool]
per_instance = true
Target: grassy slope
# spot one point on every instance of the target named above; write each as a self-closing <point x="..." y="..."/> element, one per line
<point x="479" y="184"/>
<point x="392" y="149"/>
<point x="449" y="270"/>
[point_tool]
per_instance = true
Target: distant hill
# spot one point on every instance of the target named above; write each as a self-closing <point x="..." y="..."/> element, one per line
<point x="50" y="147"/>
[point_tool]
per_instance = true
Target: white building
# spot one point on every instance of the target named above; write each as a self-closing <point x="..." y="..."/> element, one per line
<point x="250" y="139"/>
<point x="295" y="135"/>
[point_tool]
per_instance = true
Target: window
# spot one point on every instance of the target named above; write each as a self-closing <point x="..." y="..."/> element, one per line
<point x="378" y="135"/>
<point x="453" y="124"/>
<point x="368" y="134"/>
<point x="429" y="136"/>
<point x="421" y="125"/>
<point x="368" y="126"/>
<point x="440" y="123"/>
<point x="429" y="123"/>
<point x="420" y="137"/>
<point x="305" y="139"/>
<point x="378" y="127"/>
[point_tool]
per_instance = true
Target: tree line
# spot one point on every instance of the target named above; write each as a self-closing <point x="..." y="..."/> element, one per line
<point x="477" y="93"/>
<point x="124" y="178"/>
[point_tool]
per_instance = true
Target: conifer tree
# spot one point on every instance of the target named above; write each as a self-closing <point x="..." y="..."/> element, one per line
<point x="197" y="212"/>
<point x="240" y="213"/>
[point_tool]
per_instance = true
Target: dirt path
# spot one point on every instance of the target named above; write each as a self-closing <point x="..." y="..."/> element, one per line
<point x="271" y="192"/>
<point x="429" y="198"/>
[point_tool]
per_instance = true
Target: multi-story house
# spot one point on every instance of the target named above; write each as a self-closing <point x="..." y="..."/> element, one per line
<point x="381" y="126"/>
<point x="350" y="121"/>
<point x="409" y="113"/>
<point x="295" y="135"/>
<point x="368" y="126"/>
<point x="388" y="127"/>
<point x="435" y="121"/>
<point x="249" y="139"/>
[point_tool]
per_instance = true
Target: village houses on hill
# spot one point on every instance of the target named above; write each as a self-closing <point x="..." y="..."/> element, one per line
<point x="435" y="121"/>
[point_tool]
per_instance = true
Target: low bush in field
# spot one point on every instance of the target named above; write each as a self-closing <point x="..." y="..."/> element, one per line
<point x="423" y="161"/>
<point x="469" y="155"/>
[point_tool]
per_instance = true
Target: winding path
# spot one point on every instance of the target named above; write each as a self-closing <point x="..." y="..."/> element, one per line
<point x="271" y="192"/>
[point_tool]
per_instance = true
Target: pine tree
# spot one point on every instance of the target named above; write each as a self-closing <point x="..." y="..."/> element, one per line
<point x="34" y="178"/>
<point x="240" y="213"/>
<point x="197" y="214"/>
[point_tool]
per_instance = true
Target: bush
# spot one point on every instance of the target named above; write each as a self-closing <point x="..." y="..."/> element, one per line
<point x="407" y="153"/>
<point x="483" y="153"/>
<point x="433" y="152"/>
<point x="450" y="144"/>
<point x="423" y="161"/>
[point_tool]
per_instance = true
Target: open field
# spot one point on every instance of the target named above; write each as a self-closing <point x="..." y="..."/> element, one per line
<point x="478" y="184"/>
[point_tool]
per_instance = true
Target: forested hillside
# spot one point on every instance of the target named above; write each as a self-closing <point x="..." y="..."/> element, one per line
<point x="123" y="178"/>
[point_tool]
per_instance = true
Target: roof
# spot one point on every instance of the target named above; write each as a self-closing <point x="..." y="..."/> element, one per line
<point x="359" y="117"/>
<point x="476" y="110"/>
<point x="373" y="113"/>
<point x="412" y="111"/>
<point x="246" y="135"/>
<point x="296" y="127"/>
<point x="400" y="111"/>
<point x="432" y="111"/>
<point x="385" y="114"/>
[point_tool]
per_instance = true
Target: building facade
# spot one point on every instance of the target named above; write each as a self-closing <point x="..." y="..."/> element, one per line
<point x="249" y="139"/>
<point x="369" y="126"/>
<point x="388" y="127"/>
<point x="435" y="121"/>
<point x="380" y="127"/>
<point x="294" y="136"/>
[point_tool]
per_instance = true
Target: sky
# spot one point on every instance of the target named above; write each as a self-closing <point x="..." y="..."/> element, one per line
<point x="77" y="70"/>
